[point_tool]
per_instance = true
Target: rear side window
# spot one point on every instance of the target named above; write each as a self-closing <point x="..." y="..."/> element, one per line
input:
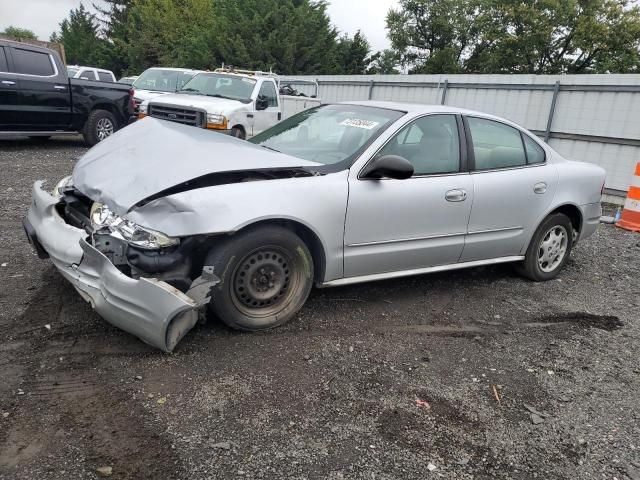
<point x="32" y="63"/>
<point x="535" y="153"/>
<point x="104" y="76"/>
<point x="88" y="75"/>
<point x="3" y="61"/>
<point x="496" y="145"/>
<point x="268" y="91"/>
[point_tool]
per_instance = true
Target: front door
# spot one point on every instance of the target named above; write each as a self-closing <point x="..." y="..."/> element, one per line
<point x="396" y="225"/>
<point x="513" y="188"/>
<point x="269" y="116"/>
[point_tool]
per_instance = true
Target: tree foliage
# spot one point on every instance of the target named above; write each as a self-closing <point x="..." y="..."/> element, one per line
<point x="287" y="36"/>
<point x="352" y="54"/>
<point x="384" y="62"/>
<point x="513" y="36"/>
<point x="17" y="32"/>
<point x="80" y="36"/>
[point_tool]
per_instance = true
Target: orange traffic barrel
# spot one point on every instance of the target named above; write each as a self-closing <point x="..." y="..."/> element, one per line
<point x="630" y="219"/>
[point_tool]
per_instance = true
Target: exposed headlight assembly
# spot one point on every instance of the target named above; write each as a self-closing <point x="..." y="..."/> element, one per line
<point x="102" y="217"/>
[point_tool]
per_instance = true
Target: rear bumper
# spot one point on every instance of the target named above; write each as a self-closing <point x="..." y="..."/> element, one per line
<point x="591" y="213"/>
<point x="152" y="310"/>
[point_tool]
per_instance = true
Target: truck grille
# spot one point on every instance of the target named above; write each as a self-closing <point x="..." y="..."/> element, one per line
<point x="186" y="116"/>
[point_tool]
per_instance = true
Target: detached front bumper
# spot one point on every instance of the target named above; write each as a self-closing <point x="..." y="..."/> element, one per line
<point x="150" y="309"/>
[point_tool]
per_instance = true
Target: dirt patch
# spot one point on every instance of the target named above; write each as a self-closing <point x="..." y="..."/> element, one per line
<point x="582" y="319"/>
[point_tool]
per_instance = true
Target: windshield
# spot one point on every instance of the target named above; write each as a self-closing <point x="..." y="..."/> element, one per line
<point x="72" y="71"/>
<point x="328" y="134"/>
<point x="218" y="85"/>
<point x="161" y="80"/>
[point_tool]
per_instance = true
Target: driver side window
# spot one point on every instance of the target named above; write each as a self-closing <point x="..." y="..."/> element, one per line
<point x="430" y="143"/>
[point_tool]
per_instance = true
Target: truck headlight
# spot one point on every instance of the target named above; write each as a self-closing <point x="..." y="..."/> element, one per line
<point x="57" y="190"/>
<point x="216" y="122"/>
<point x="102" y="217"/>
<point x="142" y="108"/>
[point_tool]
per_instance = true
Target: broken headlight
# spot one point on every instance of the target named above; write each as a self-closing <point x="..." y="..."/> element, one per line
<point x="103" y="217"/>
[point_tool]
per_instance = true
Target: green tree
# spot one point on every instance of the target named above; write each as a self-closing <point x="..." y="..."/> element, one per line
<point x="432" y="36"/>
<point x="113" y="16"/>
<point x="172" y="33"/>
<point x="80" y="37"/>
<point x="384" y="62"/>
<point x="512" y="36"/>
<point x="288" y="36"/>
<point x="558" y="36"/>
<point x="352" y="54"/>
<point x="17" y="32"/>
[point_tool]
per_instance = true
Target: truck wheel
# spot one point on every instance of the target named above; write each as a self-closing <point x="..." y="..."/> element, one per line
<point x="238" y="132"/>
<point x="100" y="125"/>
<point x="549" y="249"/>
<point x="266" y="274"/>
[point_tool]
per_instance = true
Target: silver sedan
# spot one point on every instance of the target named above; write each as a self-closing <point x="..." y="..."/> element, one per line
<point x="161" y="224"/>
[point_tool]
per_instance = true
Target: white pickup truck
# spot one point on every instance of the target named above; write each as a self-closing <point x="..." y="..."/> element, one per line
<point x="241" y="103"/>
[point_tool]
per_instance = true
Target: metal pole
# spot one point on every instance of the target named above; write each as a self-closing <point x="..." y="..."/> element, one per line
<point x="552" y="111"/>
<point x="444" y="92"/>
<point x="370" y="89"/>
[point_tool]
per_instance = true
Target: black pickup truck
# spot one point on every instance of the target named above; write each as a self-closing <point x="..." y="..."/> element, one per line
<point x="37" y="99"/>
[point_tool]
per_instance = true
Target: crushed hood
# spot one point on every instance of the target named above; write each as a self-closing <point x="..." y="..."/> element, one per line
<point x="153" y="155"/>
<point x="210" y="104"/>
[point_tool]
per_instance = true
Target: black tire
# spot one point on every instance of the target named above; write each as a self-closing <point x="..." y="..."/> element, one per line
<point x="266" y="274"/>
<point x="100" y="124"/>
<point x="540" y="267"/>
<point x="238" y="132"/>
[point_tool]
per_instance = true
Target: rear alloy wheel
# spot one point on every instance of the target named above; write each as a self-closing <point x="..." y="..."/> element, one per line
<point x="549" y="249"/>
<point x="100" y="125"/>
<point x="266" y="276"/>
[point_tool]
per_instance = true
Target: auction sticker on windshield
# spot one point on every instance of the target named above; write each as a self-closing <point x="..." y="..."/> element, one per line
<point x="359" y="123"/>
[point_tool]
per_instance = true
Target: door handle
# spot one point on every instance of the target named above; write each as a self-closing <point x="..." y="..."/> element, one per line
<point x="540" y="188"/>
<point x="456" y="195"/>
<point x="8" y="82"/>
<point x="59" y="87"/>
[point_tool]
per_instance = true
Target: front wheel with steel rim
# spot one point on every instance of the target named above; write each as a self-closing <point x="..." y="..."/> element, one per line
<point x="549" y="249"/>
<point x="100" y="125"/>
<point x="266" y="274"/>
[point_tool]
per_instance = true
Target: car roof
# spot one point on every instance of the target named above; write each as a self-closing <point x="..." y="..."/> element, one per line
<point x="420" y="108"/>
<point x="93" y="68"/>
<point x="174" y="69"/>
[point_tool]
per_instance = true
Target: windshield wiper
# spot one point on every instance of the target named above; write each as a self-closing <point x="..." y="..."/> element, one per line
<point x="217" y="95"/>
<point x="190" y="90"/>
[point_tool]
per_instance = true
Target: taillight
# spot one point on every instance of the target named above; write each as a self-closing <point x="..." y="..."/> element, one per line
<point x="132" y="102"/>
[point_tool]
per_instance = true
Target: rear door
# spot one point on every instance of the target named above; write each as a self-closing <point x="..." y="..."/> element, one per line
<point x="44" y="98"/>
<point x="268" y="117"/>
<point x="513" y="186"/>
<point x="9" y="85"/>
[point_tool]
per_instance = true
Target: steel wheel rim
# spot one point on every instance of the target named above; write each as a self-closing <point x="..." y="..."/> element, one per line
<point x="264" y="282"/>
<point x="553" y="248"/>
<point x="104" y="128"/>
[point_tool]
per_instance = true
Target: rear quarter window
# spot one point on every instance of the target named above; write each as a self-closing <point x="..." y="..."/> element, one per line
<point x="3" y="61"/>
<point x="535" y="153"/>
<point x="105" y="76"/>
<point x="29" y="62"/>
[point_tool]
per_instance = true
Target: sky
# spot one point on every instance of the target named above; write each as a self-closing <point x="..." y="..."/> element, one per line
<point x="43" y="16"/>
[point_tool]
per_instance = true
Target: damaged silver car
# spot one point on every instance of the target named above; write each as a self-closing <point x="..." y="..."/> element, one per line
<point x="162" y="224"/>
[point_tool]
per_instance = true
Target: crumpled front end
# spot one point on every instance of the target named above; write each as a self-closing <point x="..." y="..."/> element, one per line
<point x="142" y="304"/>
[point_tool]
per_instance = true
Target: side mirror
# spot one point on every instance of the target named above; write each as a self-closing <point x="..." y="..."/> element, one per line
<point x="262" y="103"/>
<point x="389" y="166"/>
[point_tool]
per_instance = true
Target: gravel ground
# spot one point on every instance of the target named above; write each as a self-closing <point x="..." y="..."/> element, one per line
<point x="471" y="374"/>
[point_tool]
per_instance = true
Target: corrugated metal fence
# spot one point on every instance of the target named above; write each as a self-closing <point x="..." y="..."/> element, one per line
<point x="593" y="118"/>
